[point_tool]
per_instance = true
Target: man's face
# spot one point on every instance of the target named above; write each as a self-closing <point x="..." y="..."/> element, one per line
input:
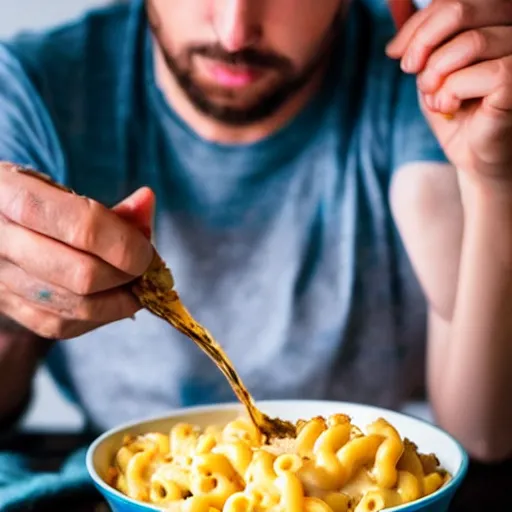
<point x="238" y="61"/>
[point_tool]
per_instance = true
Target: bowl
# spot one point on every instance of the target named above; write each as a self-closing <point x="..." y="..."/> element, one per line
<point x="428" y="438"/>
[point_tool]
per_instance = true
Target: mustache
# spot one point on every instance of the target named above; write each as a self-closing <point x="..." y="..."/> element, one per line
<point x="248" y="57"/>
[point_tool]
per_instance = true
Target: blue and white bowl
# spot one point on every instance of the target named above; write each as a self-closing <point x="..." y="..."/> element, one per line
<point x="428" y="438"/>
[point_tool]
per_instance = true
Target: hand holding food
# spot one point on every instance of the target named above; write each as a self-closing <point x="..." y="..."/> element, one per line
<point x="64" y="259"/>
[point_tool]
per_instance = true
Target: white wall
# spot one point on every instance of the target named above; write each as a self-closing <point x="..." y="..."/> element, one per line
<point x="18" y="15"/>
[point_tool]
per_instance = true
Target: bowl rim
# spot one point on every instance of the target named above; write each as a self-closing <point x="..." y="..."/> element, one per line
<point x="451" y="486"/>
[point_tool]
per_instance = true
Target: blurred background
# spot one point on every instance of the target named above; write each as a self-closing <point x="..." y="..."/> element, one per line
<point x="37" y="14"/>
<point x="49" y="409"/>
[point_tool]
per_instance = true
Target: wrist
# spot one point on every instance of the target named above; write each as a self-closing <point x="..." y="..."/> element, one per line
<point x="489" y="196"/>
<point x="487" y="220"/>
<point x="13" y="334"/>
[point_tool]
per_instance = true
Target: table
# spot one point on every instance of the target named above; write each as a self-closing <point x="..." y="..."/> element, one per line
<point x="486" y="487"/>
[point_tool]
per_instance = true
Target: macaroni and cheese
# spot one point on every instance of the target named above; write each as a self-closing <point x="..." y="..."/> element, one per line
<point x="331" y="466"/>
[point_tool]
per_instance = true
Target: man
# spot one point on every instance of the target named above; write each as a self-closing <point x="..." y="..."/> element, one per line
<point x="283" y="146"/>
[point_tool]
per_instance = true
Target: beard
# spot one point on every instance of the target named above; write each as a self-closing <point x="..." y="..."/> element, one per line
<point x="221" y="103"/>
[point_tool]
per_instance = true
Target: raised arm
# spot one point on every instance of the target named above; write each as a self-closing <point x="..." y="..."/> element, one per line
<point x="64" y="259"/>
<point x="456" y="221"/>
<point x="26" y="137"/>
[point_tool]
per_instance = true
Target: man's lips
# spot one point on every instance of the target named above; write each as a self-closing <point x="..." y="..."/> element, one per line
<point x="232" y="76"/>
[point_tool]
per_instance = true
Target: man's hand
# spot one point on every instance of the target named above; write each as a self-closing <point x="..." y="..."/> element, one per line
<point x="462" y="53"/>
<point x="64" y="259"/>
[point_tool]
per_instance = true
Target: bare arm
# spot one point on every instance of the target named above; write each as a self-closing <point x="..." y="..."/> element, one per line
<point x="64" y="263"/>
<point x="20" y="353"/>
<point x="463" y="258"/>
<point x="64" y="259"/>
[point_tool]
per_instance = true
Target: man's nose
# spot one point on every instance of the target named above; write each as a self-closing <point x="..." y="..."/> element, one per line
<point x="235" y="24"/>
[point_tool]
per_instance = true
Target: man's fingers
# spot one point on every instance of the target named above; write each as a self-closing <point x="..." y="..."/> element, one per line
<point x="138" y="209"/>
<point x="53" y="262"/>
<point x="468" y="48"/>
<point x="491" y="80"/>
<point x="40" y="322"/>
<point x="445" y="20"/>
<point x="101" y="308"/>
<point x="407" y="20"/>
<point x="76" y="221"/>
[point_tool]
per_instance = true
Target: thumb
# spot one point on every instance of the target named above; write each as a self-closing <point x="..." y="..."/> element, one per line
<point x="401" y="11"/>
<point x="138" y="209"/>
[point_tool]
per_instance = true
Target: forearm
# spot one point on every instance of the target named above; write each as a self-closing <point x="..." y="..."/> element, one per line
<point x="473" y="392"/>
<point x="20" y="354"/>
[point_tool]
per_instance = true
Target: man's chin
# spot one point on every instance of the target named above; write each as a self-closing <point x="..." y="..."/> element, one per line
<point x="236" y="97"/>
<point x="236" y="106"/>
<point x="233" y="110"/>
<point x="231" y="115"/>
<point x="240" y="107"/>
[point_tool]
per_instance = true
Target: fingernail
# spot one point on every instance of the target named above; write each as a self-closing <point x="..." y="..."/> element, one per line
<point x="447" y="104"/>
<point x="391" y="47"/>
<point x="408" y="62"/>
<point x="429" y="101"/>
<point x="439" y="101"/>
<point x="427" y="81"/>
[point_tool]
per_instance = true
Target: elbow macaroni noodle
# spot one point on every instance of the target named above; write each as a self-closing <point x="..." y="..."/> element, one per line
<point x="332" y="466"/>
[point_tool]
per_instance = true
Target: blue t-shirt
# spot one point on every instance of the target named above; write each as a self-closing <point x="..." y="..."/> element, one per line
<point x="284" y="248"/>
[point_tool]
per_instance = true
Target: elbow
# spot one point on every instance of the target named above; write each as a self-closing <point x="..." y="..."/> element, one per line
<point x="487" y="444"/>
<point x="488" y="447"/>
<point x="488" y="452"/>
